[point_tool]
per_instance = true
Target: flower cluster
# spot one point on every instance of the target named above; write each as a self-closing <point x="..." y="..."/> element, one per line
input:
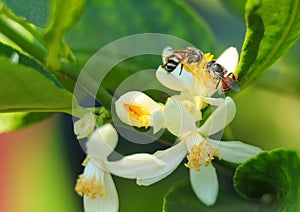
<point x="180" y="115"/>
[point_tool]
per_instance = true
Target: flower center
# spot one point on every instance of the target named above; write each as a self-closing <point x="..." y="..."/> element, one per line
<point x="139" y="113"/>
<point x="201" y="154"/>
<point x="89" y="187"/>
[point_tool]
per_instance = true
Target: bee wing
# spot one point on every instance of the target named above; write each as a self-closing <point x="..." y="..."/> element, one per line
<point x="229" y="59"/>
<point x="230" y="84"/>
<point x="235" y="86"/>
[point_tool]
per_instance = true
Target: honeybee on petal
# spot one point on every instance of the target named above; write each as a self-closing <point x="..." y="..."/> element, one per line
<point x="228" y="80"/>
<point x="203" y="67"/>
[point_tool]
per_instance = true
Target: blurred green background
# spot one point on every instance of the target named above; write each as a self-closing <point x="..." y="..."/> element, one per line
<point x="40" y="164"/>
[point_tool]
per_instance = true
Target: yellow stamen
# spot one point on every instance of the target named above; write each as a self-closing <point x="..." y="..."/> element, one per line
<point x="139" y="113"/>
<point x="201" y="154"/>
<point x="89" y="187"/>
<point x="86" y="160"/>
<point x="208" y="56"/>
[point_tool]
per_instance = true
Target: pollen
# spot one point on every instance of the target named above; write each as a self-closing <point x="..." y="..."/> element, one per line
<point x="200" y="72"/>
<point x="201" y="154"/>
<point x="138" y="113"/>
<point x="90" y="187"/>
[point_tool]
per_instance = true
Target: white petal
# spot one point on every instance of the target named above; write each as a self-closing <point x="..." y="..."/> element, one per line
<point x="107" y="203"/>
<point x="192" y="103"/>
<point x="213" y="101"/>
<point x="172" y="156"/>
<point x="219" y="119"/>
<point x="205" y="184"/>
<point x="138" y="99"/>
<point x="170" y="80"/>
<point x="158" y="121"/>
<point x="229" y="59"/>
<point x="102" y="142"/>
<point x="178" y="120"/>
<point x="135" y="166"/>
<point x="85" y="125"/>
<point x="235" y="151"/>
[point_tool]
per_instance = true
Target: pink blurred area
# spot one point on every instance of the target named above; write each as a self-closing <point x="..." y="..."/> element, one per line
<point x="34" y="172"/>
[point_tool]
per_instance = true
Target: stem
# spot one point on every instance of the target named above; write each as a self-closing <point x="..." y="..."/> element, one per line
<point x="23" y="38"/>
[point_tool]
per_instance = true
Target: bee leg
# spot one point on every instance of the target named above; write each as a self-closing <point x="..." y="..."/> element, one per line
<point x="218" y="83"/>
<point x="164" y="65"/>
<point x="181" y="69"/>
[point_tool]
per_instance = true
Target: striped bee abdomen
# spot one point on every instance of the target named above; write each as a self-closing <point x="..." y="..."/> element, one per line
<point x="173" y="61"/>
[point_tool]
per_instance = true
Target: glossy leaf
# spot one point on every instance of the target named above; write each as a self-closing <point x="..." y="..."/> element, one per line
<point x="25" y="89"/>
<point x="273" y="174"/>
<point x="273" y="27"/>
<point x="14" y="121"/>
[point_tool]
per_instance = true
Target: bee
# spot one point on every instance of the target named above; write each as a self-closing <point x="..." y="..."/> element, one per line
<point x="190" y="56"/>
<point x="184" y="56"/>
<point x="229" y="80"/>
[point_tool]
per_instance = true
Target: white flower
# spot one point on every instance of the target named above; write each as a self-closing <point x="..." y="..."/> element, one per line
<point x="96" y="183"/>
<point x="137" y="109"/>
<point x="98" y="188"/>
<point x="200" y="147"/>
<point x="196" y="80"/>
<point x="85" y="125"/>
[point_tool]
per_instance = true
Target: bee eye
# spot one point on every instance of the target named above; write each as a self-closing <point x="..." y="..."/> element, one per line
<point x="217" y="68"/>
<point x="210" y="63"/>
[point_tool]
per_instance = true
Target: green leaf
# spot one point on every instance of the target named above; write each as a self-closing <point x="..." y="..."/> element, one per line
<point x="106" y="21"/>
<point x="25" y="89"/>
<point x="273" y="27"/>
<point x="35" y="11"/>
<point x="14" y="121"/>
<point x="182" y="198"/>
<point x="65" y="13"/>
<point x="26" y="60"/>
<point x="273" y="174"/>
